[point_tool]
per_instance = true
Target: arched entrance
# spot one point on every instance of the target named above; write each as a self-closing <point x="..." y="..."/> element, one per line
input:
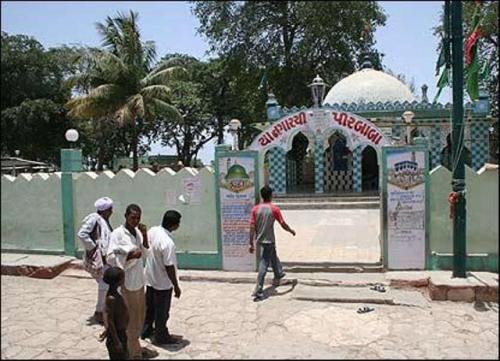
<point x="338" y="164"/>
<point x="369" y="170"/>
<point x="300" y="166"/>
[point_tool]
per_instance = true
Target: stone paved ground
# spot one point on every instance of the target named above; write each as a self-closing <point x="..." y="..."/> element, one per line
<point x="47" y="319"/>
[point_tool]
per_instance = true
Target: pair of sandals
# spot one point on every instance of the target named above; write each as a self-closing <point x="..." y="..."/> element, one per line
<point x="378" y="287"/>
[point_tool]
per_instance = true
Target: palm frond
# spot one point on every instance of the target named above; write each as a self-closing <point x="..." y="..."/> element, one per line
<point x="161" y="92"/>
<point x="164" y="76"/>
<point x="167" y="111"/>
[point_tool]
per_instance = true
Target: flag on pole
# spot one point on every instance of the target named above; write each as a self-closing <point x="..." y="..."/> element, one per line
<point x="443" y="64"/>
<point x="471" y="71"/>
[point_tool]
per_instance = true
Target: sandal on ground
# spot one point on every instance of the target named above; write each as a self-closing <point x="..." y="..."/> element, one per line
<point x="365" y="309"/>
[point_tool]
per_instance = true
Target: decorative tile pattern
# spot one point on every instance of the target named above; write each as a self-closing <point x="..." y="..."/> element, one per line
<point x="319" y="165"/>
<point x="337" y="180"/>
<point x="480" y="144"/>
<point x="277" y="170"/>
<point x="435" y="145"/>
<point x="356" y="170"/>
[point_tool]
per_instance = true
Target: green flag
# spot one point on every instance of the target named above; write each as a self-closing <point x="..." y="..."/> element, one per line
<point x="442" y="82"/>
<point x="472" y="76"/>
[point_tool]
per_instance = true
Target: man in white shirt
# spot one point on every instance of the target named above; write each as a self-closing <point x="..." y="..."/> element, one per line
<point x="94" y="235"/>
<point x="128" y="248"/>
<point x="161" y="278"/>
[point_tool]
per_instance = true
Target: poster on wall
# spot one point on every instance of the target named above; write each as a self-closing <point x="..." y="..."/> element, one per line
<point x="406" y="209"/>
<point x="237" y="197"/>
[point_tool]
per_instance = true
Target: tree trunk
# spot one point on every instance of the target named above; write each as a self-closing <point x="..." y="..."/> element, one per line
<point x="220" y="130"/>
<point x="135" y="164"/>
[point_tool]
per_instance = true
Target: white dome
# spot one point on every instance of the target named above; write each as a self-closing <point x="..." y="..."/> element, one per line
<point x="368" y="85"/>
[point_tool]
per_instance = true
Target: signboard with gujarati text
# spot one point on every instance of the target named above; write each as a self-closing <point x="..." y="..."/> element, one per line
<point x="405" y="207"/>
<point x="236" y="182"/>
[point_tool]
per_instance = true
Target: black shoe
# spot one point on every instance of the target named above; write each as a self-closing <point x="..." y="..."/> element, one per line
<point x="147" y="333"/>
<point x="168" y="340"/>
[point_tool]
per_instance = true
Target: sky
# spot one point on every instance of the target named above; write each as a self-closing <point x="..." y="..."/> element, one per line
<point x="407" y="39"/>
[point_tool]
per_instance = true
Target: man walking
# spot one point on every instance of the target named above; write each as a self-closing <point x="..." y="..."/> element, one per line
<point x="128" y="247"/>
<point x="262" y="220"/>
<point x="161" y="278"/>
<point x="94" y="234"/>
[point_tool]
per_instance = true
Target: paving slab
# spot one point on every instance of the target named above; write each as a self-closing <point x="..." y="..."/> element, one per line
<point x="407" y="278"/>
<point x="442" y="286"/>
<point x="360" y="295"/>
<point x="34" y="265"/>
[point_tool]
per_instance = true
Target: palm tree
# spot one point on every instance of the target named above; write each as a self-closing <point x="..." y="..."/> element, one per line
<point x="120" y="81"/>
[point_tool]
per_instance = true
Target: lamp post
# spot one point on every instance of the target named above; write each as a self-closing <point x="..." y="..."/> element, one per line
<point x="408" y="116"/>
<point x="318" y="87"/>
<point x="234" y="129"/>
<point x="71" y="161"/>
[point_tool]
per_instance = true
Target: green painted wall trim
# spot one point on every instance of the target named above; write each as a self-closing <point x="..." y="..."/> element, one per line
<point x="207" y="261"/>
<point x="474" y="262"/>
<point x="67" y="211"/>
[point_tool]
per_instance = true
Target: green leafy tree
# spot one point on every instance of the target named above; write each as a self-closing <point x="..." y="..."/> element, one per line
<point x="292" y="40"/>
<point x="33" y="95"/>
<point x="36" y="128"/>
<point x="122" y="81"/>
<point x="197" y="125"/>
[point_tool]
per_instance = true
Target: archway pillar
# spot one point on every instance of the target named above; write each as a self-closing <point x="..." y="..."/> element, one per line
<point x="319" y="164"/>
<point x="277" y="170"/>
<point x="356" y="170"/>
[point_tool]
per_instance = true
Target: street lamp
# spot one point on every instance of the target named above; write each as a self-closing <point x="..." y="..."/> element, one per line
<point x="71" y="135"/>
<point x="408" y="116"/>
<point x="71" y="161"/>
<point x="234" y="128"/>
<point x="318" y="90"/>
<point x="17" y="152"/>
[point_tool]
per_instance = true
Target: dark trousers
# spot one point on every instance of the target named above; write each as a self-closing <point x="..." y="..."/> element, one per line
<point x="268" y="256"/>
<point x="157" y="312"/>
<point x="110" y="345"/>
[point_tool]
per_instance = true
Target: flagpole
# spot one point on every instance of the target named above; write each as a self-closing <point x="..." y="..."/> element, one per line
<point x="458" y="181"/>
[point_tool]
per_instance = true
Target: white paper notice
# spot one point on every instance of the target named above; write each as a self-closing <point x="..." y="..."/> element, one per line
<point x="192" y="188"/>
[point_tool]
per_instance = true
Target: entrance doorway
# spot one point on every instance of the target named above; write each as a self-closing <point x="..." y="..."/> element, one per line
<point x="369" y="170"/>
<point x="338" y="165"/>
<point x="300" y="166"/>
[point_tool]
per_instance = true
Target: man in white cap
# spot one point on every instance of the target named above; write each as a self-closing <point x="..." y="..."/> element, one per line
<point x="94" y="234"/>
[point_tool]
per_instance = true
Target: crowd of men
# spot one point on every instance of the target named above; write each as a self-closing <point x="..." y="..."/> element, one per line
<point x="136" y="272"/>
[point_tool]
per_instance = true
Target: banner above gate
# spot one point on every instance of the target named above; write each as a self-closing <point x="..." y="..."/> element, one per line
<point x="320" y="121"/>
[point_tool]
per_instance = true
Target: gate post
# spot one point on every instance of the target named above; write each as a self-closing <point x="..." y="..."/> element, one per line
<point x="71" y="161"/>
<point x="319" y="165"/>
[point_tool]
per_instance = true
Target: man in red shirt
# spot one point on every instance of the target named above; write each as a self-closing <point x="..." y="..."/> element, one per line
<point x="262" y="229"/>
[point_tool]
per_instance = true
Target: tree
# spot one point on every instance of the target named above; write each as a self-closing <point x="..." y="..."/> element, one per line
<point x="290" y="39"/>
<point x="191" y="98"/>
<point x="33" y="94"/>
<point x="122" y="82"/>
<point x="36" y="128"/>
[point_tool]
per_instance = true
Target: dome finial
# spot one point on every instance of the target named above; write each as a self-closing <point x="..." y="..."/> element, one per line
<point x="367" y="63"/>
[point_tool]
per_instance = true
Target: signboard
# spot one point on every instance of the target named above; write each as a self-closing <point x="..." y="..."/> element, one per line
<point x="236" y="183"/>
<point x="405" y="199"/>
<point x="318" y="121"/>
